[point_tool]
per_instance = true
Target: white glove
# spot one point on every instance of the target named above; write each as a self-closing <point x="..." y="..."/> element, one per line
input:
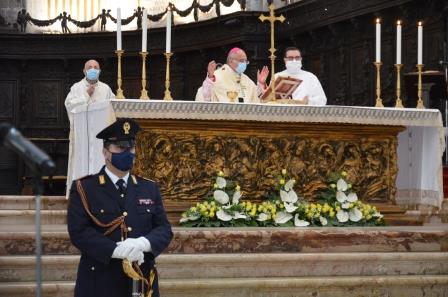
<point x="136" y="256"/>
<point x="122" y="251"/>
<point x="126" y="250"/>
<point x="140" y="243"/>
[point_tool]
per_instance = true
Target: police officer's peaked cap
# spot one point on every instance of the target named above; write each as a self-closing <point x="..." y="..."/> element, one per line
<point x="122" y="132"/>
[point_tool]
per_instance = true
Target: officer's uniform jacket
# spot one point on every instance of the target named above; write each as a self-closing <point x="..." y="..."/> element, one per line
<point x="144" y="215"/>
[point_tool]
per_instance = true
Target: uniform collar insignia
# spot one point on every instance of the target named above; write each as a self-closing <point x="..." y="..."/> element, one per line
<point x="134" y="179"/>
<point x="101" y="179"/>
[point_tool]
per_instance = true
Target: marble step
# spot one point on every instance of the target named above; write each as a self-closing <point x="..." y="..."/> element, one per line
<point x="27" y="217"/>
<point x="259" y="240"/>
<point x="28" y="202"/>
<point x="200" y="266"/>
<point x="353" y="286"/>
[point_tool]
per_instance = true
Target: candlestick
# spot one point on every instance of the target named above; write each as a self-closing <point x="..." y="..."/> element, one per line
<point x="144" y="29"/>
<point x="167" y="78"/>
<point x="144" y="94"/>
<point x="419" y="87"/>
<point x="378" y="41"/>
<point x="379" y="101"/>
<point x="119" y="29"/>
<point x="398" y="102"/>
<point x="168" y="31"/>
<point x="420" y="44"/>
<point x="120" y="94"/>
<point x="398" y="42"/>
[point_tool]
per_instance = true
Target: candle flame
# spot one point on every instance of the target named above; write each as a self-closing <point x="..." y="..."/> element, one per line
<point x="398" y="22"/>
<point x="378" y="20"/>
<point x="420" y="23"/>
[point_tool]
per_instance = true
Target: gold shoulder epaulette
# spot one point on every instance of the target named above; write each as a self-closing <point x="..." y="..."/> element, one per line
<point x="101" y="179"/>
<point x="134" y="179"/>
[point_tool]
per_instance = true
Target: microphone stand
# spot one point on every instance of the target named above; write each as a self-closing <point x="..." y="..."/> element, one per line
<point x="38" y="190"/>
<point x="39" y="163"/>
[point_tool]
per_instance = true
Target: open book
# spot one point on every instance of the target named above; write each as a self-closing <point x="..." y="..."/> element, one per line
<point x="284" y="87"/>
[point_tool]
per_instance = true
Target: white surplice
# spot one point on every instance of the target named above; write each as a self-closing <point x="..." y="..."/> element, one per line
<point x="310" y="87"/>
<point x="88" y="115"/>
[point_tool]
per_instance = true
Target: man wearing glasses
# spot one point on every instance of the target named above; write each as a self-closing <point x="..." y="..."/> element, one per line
<point x="309" y="91"/>
<point x="229" y="83"/>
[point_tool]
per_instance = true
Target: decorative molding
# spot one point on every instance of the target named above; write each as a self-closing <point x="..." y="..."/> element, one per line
<point x="158" y="109"/>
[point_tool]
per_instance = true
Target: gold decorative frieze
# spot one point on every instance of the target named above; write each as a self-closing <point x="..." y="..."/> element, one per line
<point x="184" y="156"/>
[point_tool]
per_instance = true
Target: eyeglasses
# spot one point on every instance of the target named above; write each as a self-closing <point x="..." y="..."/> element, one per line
<point x="297" y="58"/>
<point x="242" y="61"/>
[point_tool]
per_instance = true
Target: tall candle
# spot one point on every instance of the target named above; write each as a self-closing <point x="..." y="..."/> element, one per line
<point x="420" y="44"/>
<point x="378" y="40"/>
<point x="118" y="29"/>
<point x="168" y="31"/>
<point x="144" y="30"/>
<point x="398" y="42"/>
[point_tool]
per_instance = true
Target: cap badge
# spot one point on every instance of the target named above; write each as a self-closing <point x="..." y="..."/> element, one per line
<point x="126" y="128"/>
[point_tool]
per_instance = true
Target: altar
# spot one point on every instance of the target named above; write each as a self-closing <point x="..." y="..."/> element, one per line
<point x="392" y="156"/>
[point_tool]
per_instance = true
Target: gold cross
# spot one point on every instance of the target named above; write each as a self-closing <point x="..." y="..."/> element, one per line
<point x="272" y="18"/>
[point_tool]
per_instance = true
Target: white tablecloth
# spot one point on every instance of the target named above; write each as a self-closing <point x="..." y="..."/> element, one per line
<point x="420" y="146"/>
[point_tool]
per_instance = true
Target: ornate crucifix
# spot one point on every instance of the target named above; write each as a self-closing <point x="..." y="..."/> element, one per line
<point x="272" y="18"/>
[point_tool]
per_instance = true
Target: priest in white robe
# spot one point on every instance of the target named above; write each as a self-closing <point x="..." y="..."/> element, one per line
<point x="310" y="91"/>
<point x="89" y="111"/>
<point x="229" y="83"/>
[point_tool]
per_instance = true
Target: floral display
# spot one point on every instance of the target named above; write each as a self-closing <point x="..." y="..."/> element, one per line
<point x="338" y="205"/>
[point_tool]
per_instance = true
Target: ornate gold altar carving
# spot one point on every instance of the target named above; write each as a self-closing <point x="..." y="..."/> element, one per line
<point x="184" y="156"/>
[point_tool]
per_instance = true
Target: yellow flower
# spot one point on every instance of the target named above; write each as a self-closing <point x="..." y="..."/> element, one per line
<point x="284" y="171"/>
<point x="349" y="186"/>
<point x="205" y="203"/>
<point x="212" y="203"/>
<point x="338" y="208"/>
<point x="211" y="214"/>
<point x="333" y="186"/>
<point x="184" y="215"/>
<point x="220" y="173"/>
<point x="193" y="209"/>
<point x="213" y="209"/>
<point x="282" y="181"/>
<point x="215" y="186"/>
<point x="344" y="174"/>
<point x="238" y="188"/>
<point x="331" y="214"/>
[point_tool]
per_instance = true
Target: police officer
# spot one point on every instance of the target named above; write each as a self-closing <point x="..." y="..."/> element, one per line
<point x="115" y="216"/>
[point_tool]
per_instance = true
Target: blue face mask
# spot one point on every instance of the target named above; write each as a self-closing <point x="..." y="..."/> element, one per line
<point x="241" y="68"/>
<point x="92" y="74"/>
<point x="123" y="161"/>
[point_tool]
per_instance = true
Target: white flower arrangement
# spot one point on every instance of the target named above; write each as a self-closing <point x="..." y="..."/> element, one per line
<point x="339" y="206"/>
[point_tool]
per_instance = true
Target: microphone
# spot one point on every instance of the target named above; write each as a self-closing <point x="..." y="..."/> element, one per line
<point x="34" y="157"/>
